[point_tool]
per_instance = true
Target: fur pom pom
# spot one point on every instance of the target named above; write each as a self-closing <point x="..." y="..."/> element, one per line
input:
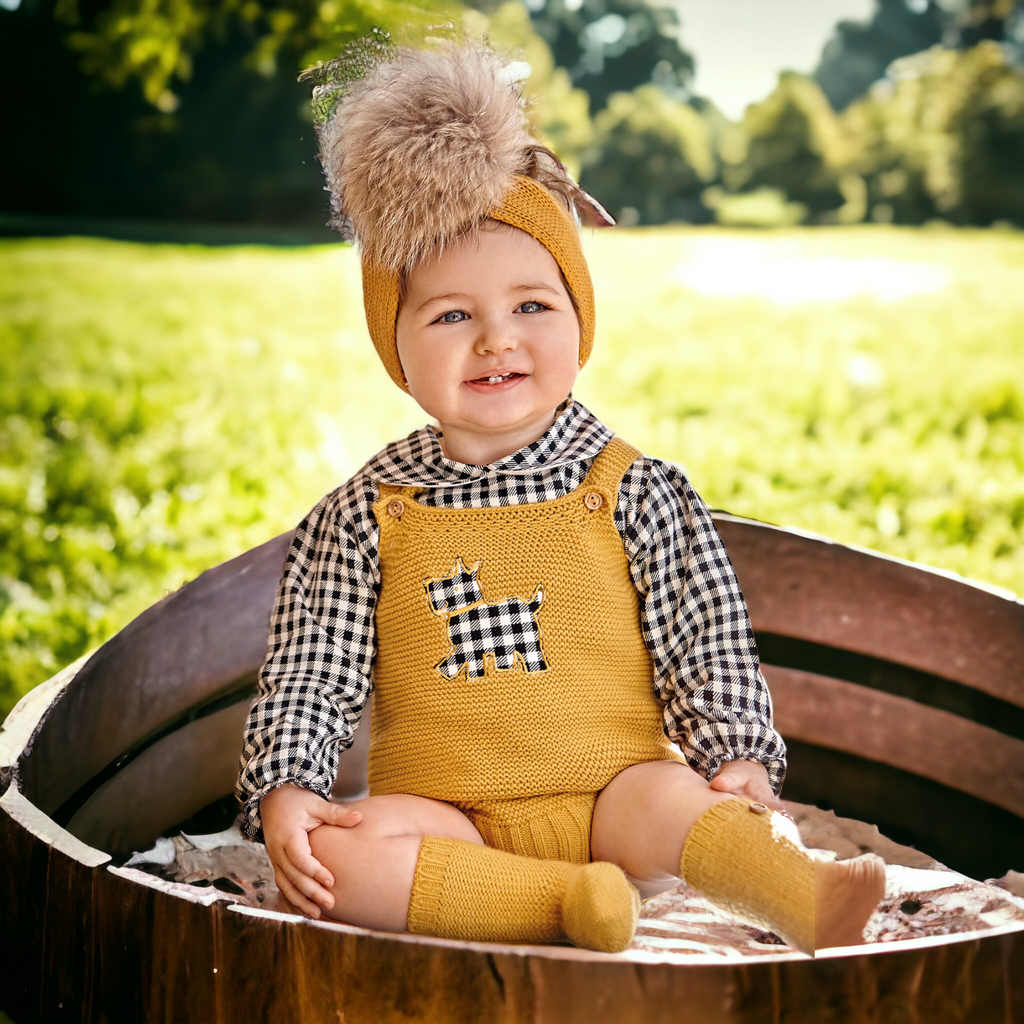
<point x="422" y="149"/>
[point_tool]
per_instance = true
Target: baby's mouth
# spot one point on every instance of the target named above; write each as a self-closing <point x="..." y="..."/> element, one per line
<point x="499" y="378"/>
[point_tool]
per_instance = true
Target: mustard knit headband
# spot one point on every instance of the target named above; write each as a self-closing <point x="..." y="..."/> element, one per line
<point x="528" y="206"/>
<point x="421" y="146"/>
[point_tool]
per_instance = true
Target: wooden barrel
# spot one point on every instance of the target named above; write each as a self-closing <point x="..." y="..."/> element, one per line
<point x="898" y="689"/>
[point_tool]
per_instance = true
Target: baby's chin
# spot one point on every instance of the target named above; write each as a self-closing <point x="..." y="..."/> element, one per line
<point x="479" y="440"/>
<point x="511" y="422"/>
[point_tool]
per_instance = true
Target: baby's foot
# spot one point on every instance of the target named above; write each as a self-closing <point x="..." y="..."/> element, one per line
<point x="846" y="893"/>
<point x="600" y="909"/>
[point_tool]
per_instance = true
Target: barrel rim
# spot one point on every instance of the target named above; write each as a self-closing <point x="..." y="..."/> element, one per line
<point x="22" y="725"/>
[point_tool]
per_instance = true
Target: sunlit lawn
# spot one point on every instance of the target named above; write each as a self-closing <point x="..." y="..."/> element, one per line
<point x="163" y="408"/>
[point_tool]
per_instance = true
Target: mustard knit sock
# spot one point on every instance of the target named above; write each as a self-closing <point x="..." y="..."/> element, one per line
<point x="465" y="891"/>
<point x="735" y="857"/>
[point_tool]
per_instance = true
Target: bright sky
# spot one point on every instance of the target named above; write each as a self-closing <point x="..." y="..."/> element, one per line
<point x="740" y="46"/>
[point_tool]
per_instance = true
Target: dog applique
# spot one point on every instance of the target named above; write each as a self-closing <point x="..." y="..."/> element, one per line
<point x="507" y="630"/>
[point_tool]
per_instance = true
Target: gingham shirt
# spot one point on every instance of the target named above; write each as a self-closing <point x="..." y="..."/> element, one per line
<point x="317" y="676"/>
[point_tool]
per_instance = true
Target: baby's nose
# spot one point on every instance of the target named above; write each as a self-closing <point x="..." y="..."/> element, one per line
<point x="496" y="340"/>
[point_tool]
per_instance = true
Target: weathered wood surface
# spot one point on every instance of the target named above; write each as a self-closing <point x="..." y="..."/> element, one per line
<point x="81" y="944"/>
<point x="84" y="944"/>
<point x="900" y="732"/>
<point x="198" y="644"/>
<point x="816" y="590"/>
<point x="188" y="769"/>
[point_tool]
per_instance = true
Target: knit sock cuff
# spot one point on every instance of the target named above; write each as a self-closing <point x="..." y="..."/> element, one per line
<point x="735" y="855"/>
<point x="704" y="840"/>
<point x="428" y="884"/>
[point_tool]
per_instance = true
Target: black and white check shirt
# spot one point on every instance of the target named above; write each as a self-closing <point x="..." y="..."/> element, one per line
<point x="317" y="676"/>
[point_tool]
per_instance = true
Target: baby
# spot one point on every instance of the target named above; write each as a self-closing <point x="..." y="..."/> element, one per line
<point x="567" y="706"/>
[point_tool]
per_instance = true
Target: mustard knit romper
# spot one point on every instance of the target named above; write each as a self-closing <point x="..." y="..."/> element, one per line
<point x="512" y="681"/>
<point x="521" y="740"/>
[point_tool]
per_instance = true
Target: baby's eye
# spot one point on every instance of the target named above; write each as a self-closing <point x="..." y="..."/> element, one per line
<point x="453" y="316"/>
<point x="532" y="307"/>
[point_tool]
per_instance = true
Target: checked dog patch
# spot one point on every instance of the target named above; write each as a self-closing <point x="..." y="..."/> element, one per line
<point x="507" y="630"/>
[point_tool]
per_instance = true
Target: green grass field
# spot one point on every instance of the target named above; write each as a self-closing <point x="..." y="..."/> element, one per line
<point x="163" y="408"/>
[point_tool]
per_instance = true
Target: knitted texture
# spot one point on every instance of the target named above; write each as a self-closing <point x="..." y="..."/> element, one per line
<point x="741" y="862"/>
<point x="457" y="715"/>
<point x="550" y="827"/>
<point x="528" y="206"/>
<point x="600" y="909"/>
<point x="465" y="891"/>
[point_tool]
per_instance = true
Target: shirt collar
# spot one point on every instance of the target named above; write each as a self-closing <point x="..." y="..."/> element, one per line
<point x="418" y="461"/>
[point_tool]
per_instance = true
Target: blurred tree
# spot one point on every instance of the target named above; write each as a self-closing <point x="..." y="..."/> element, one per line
<point x="558" y="109"/>
<point x="792" y="141"/>
<point x="183" y="109"/>
<point x="652" y="158"/>
<point x="612" y="45"/>
<point x="945" y="137"/>
<point x="971" y="21"/>
<point x="859" y="52"/>
<point x="239" y="148"/>
<point x="155" y="42"/>
<point x="762" y="208"/>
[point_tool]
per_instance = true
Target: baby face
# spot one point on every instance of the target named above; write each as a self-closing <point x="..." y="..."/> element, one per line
<point x="489" y="342"/>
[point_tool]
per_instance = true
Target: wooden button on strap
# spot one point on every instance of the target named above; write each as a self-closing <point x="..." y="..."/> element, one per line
<point x="593" y="501"/>
<point x="396" y="507"/>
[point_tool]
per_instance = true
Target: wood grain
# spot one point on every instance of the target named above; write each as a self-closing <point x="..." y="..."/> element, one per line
<point x="83" y="945"/>
<point x="899" y="732"/>
<point x="816" y="590"/>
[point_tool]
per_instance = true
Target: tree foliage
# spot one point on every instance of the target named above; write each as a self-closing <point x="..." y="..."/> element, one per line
<point x="156" y="41"/>
<point x="944" y="138"/>
<point x="559" y="109"/>
<point x="225" y="133"/>
<point x="859" y="52"/>
<point x="611" y="46"/>
<point x="792" y="141"/>
<point x="238" y="149"/>
<point x="651" y="159"/>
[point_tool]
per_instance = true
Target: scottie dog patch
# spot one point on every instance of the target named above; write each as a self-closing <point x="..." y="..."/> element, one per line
<point x="507" y="630"/>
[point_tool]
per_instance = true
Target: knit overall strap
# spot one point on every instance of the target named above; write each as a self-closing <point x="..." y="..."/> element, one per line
<point x="605" y="476"/>
<point x="389" y="491"/>
<point x="608" y="469"/>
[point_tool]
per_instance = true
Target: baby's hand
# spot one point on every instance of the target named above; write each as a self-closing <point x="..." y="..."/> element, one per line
<point x="749" y="779"/>
<point x="289" y="814"/>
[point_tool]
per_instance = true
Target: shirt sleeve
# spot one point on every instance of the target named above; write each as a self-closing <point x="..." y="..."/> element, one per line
<point x="316" y="678"/>
<point x="695" y="624"/>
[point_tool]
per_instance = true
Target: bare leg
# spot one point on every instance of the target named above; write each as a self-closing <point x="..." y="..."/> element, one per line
<point x="643" y="816"/>
<point x="374" y="862"/>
